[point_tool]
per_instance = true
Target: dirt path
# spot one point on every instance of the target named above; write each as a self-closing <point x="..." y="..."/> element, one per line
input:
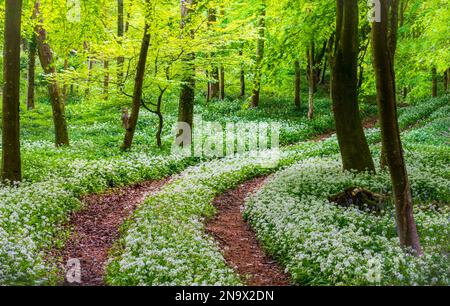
<point x="241" y="248"/>
<point x="97" y="227"/>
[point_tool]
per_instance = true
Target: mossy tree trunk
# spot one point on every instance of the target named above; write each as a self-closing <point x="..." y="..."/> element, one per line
<point x="311" y="80"/>
<point x="120" y="34"/>
<point x="297" y="85"/>
<point x="213" y="84"/>
<point x="187" y="93"/>
<point x="434" y="91"/>
<point x="31" y="74"/>
<point x="11" y="162"/>
<point x="259" y="56"/>
<point x="242" y="77"/>
<point x="46" y="59"/>
<point x="390" y="132"/>
<point x="137" y="92"/>
<point x="353" y="144"/>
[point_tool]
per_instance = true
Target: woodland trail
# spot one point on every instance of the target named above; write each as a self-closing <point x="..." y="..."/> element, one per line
<point x="238" y="242"/>
<point x="96" y="228"/>
<point x="241" y="248"/>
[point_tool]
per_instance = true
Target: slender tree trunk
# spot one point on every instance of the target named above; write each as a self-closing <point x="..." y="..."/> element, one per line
<point x="434" y="82"/>
<point x="66" y="67"/>
<point x="392" y="6"/>
<point x="31" y="73"/>
<point x="213" y="84"/>
<point x="137" y="93"/>
<point x="297" y="85"/>
<point x="242" y="77"/>
<point x="120" y="34"/>
<point x="222" y="83"/>
<point x="447" y="80"/>
<point x="187" y="94"/>
<point x="106" y="80"/>
<point x="390" y="132"/>
<point x="11" y="162"/>
<point x="259" y="57"/>
<point x="46" y="59"/>
<point x="311" y="81"/>
<point x="353" y="145"/>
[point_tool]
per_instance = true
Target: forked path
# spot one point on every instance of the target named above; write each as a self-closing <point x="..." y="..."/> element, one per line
<point x="238" y="242"/>
<point x="96" y="228"/>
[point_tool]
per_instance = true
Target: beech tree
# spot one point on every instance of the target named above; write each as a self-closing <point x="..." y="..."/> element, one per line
<point x="46" y="59"/>
<point x="353" y="144"/>
<point x="259" y="55"/>
<point x="390" y="132"/>
<point x="187" y="94"/>
<point x="11" y="162"/>
<point x="138" y="84"/>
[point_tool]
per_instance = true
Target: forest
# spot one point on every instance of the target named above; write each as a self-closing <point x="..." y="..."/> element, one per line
<point x="225" y="143"/>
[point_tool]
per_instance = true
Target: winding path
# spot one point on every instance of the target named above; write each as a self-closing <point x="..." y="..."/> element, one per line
<point x="238" y="242"/>
<point x="96" y="228"/>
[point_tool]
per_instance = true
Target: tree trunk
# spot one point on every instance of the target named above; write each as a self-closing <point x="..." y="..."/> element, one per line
<point x="90" y="65"/>
<point x="353" y="144"/>
<point x="392" y="6"/>
<point x="385" y="80"/>
<point x="434" y="82"/>
<point x="222" y="83"/>
<point x="137" y="93"/>
<point x="242" y="80"/>
<point x="447" y="80"/>
<point x="46" y="59"/>
<point x="259" y="57"/>
<point x="311" y="81"/>
<point x="106" y="80"/>
<point x="187" y="94"/>
<point x="64" y="90"/>
<point x="120" y="34"/>
<point x="297" y="85"/>
<point x="213" y="85"/>
<point x="31" y="73"/>
<point x="11" y="163"/>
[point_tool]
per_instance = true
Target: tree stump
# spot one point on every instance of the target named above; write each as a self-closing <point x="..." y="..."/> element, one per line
<point x="363" y="199"/>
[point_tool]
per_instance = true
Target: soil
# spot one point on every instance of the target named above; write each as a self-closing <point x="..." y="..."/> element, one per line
<point x="238" y="242"/>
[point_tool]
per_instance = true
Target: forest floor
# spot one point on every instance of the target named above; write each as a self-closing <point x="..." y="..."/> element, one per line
<point x="96" y="228"/>
<point x="239" y="244"/>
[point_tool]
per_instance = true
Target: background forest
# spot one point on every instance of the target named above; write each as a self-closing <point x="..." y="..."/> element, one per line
<point x="100" y="85"/>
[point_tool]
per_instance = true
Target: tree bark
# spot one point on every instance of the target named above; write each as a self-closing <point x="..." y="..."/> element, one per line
<point x="187" y="94"/>
<point x="434" y="82"/>
<point x="31" y="75"/>
<point x="390" y="132"/>
<point x="64" y="90"/>
<point x="259" y="57"/>
<point x="353" y="144"/>
<point x="311" y="81"/>
<point x="242" y="78"/>
<point x="46" y="59"/>
<point x="120" y="34"/>
<point x="106" y="80"/>
<point x="11" y="162"/>
<point x="447" y="80"/>
<point x="297" y="85"/>
<point x="222" y="83"/>
<point x="213" y="85"/>
<point x="137" y="93"/>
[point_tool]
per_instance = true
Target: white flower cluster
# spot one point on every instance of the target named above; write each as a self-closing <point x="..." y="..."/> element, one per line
<point x="324" y="244"/>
